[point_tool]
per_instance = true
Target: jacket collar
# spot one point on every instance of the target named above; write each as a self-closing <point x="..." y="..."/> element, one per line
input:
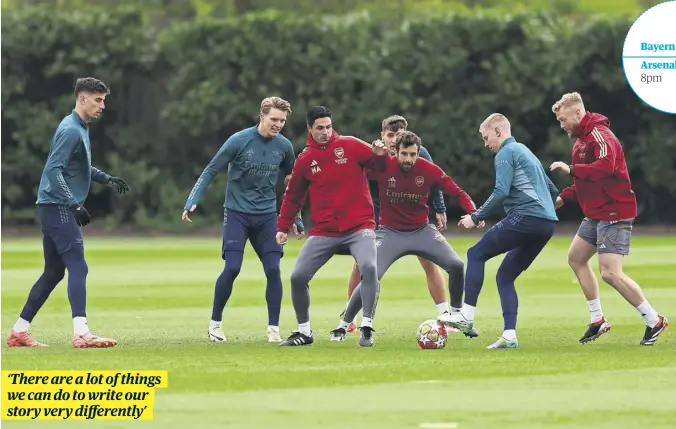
<point x="313" y="144"/>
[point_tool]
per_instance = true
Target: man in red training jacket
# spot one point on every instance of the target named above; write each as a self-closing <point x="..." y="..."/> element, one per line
<point x="602" y="188"/>
<point x="404" y="184"/>
<point x="331" y="171"/>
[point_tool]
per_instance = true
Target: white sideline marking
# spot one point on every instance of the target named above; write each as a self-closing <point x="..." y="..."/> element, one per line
<point x="448" y="425"/>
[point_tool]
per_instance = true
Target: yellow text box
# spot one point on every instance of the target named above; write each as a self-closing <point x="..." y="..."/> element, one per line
<point x="80" y="395"/>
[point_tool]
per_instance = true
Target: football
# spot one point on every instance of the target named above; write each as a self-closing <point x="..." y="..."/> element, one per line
<point x="432" y="334"/>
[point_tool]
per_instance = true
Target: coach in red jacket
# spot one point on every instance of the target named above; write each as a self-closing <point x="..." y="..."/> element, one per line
<point x="602" y="188"/>
<point x="331" y="171"/>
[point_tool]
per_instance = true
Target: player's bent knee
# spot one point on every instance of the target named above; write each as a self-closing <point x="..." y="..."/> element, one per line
<point x="576" y="261"/>
<point x="457" y="265"/>
<point x="369" y="269"/>
<point x="476" y="253"/>
<point x="299" y="278"/>
<point x="232" y="271"/>
<point x="506" y="275"/>
<point x="610" y="275"/>
<point x="610" y="266"/>
<point x="54" y="275"/>
<point x="457" y="260"/>
<point x="74" y="261"/>
<point x="272" y="272"/>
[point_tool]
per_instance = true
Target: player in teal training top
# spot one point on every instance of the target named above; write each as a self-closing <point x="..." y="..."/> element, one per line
<point x="253" y="158"/>
<point x="64" y="187"/>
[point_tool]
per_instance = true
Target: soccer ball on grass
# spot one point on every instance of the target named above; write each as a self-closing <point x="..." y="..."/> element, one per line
<point x="432" y="334"/>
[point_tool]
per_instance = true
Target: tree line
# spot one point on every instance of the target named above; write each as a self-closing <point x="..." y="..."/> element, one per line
<point x="180" y="91"/>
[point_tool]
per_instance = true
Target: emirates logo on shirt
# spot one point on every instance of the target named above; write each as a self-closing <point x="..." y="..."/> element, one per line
<point x="419" y="180"/>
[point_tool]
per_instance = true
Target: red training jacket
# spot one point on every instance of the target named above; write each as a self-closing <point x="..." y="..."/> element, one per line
<point x="334" y="176"/>
<point x="601" y="184"/>
<point x="404" y="195"/>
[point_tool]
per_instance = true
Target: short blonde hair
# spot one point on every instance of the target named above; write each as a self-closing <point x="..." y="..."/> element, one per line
<point x="276" y="102"/>
<point x="568" y="100"/>
<point x="495" y="119"/>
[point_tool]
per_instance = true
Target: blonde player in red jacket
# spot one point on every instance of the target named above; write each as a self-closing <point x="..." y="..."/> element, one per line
<point x="602" y="188"/>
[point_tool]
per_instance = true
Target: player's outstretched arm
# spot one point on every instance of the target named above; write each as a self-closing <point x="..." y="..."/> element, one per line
<point x="449" y="187"/>
<point x="603" y="166"/>
<point x="218" y="163"/>
<point x="364" y="152"/>
<point x="104" y="178"/>
<point x="504" y="175"/>
<point x="65" y="143"/>
<point x="378" y="161"/>
<point x="567" y="196"/>
<point x="99" y="176"/>
<point x="604" y="148"/>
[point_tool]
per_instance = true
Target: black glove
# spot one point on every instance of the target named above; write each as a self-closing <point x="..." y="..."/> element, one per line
<point x="119" y="184"/>
<point x="81" y="214"/>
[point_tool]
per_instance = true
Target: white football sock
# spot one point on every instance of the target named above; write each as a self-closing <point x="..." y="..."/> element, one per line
<point x="273" y="327"/>
<point x="21" y="325"/>
<point x="304" y="328"/>
<point x="595" y="310"/>
<point x="366" y="322"/>
<point x="509" y="334"/>
<point x="214" y="324"/>
<point x="343" y="324"/>
<point x="444" y="307"/>
<point x="468" y="311"/>
<point x="455" y="310"/>
<point x="80" y="325"/>
<point x="649" y="314"/>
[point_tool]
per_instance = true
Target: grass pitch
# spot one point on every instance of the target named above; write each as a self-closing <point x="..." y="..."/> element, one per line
<point x="154" y="296"/>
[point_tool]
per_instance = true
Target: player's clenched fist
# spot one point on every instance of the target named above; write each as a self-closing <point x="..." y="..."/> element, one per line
<point x="560" y="166"/>
<point x="281" y="238"/>
<point x="379" y="148"/>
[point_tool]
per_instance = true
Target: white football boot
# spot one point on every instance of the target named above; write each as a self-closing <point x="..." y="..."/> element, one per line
<point x="456" y="320"/>
<point x="216" y="333"/>
<point x="273" y="334"/>
<point x="502" y="343"/>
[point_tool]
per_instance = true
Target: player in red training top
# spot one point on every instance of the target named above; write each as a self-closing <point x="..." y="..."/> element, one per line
<point x="602" y="188"/>
<point x="331" y="170"/>
<point x="404" y="184"/>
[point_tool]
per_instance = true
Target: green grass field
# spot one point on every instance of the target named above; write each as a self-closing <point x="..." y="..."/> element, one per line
<point x="154" y="296"/>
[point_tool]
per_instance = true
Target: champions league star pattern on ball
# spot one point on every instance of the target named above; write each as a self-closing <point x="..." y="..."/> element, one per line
<point x="432" y="334"/>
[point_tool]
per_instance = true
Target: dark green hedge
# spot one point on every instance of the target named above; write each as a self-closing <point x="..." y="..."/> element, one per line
<point x="178" y="93"/>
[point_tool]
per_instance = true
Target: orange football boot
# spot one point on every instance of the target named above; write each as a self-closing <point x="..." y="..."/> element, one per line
<point x="22" y="339"/>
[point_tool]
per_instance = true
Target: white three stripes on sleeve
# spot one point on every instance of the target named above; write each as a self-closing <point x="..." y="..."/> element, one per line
<point x="602" y="143"/>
